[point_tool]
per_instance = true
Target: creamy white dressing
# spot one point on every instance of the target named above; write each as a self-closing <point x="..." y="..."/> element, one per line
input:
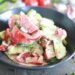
<point x="4" y="43"/>
<point x="23" y="30"/>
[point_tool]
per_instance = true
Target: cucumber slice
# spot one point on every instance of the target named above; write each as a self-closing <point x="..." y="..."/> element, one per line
<point x="2" y="33"/>
<point x="33" y="14"/>
<point x="16" y="49"/>
<point x="59" y="48"/>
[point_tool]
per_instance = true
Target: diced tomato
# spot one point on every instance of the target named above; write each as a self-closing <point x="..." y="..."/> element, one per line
<point x="35" y="36"/>
<point x="3" y="48"/>
<point x="27" y="24"/>
<point x="25" y="55"/>
<point x="17" y="36"/>
<point x="29" y="58"/>
<point x="7" y="35"/>
<point x="22" y="57"/>
<point x="49" y="51"/>
<point x="37" y="60"/>
<point x="31" y="2"/>
<point x="44" y="3"/>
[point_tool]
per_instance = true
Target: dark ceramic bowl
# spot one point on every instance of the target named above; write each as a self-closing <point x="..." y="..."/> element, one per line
<point x="59" y="19"/>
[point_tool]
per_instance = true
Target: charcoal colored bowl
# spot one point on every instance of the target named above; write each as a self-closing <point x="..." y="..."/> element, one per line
<point x="60" y="20"/>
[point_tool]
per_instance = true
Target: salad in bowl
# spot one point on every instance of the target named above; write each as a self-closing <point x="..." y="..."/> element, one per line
<point x="33" y="40"/>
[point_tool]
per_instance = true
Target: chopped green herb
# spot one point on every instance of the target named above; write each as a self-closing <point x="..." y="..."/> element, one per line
<point x="53" y="60"/>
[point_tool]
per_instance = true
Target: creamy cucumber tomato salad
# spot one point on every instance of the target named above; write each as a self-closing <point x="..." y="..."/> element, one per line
<point x="33" y="40"/>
